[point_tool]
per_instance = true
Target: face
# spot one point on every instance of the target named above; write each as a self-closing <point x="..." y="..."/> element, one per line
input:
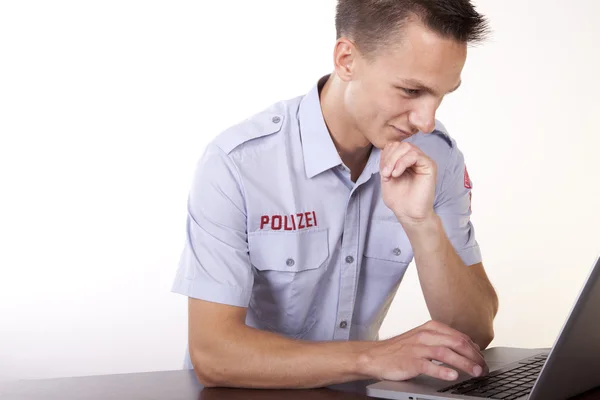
<point x="397" y="92"/>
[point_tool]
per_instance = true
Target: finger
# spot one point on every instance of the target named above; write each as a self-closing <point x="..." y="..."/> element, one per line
<point x="420" y="163"/>
<point x="437" y="371"/>
<point x="405" y="162"/>
<point x="391" y="153"/>
<point x="445" y="329"/>
<point x="457" y="344"/>
<point x="453" y="359"/>
<point x="403" y="157"/>
<point x="442" y="328"/>
<point x="398" y="160"/>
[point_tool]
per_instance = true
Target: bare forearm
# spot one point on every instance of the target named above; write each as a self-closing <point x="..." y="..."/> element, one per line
<point x="453" y="293"/>
<point x="252" y="358"/>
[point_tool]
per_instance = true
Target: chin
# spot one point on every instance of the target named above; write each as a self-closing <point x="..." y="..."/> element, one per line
<point x="381" y="143"/>
<point x="390" y="135"/>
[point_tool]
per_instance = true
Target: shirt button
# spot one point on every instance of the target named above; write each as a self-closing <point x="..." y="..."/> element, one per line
<point x="397" y="251"/>
<point x="343" y="324"/>
<point x="290" y="262"/>
<point x="349" y="259"/>
<point x="276" y="120"/>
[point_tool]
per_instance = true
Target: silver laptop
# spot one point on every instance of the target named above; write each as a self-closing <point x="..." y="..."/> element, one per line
<point x="570" y="367"/>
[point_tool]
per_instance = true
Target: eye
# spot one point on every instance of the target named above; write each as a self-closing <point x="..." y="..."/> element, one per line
<point x="411" y="92"/>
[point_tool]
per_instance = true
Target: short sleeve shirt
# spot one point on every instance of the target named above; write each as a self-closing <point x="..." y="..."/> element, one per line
<point x="275" y="224"/>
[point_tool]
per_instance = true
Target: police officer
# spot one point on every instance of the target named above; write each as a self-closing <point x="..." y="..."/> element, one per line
<point x="303" y="219"/>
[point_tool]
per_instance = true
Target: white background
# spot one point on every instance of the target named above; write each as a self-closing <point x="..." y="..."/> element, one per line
<point x="105" y="107"/>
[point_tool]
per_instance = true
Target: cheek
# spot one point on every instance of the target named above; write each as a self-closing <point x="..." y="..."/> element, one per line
<point x="392" y="107"/>
<point x="361" y="105"/>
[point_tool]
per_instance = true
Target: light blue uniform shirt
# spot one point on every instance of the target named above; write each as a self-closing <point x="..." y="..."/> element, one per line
<point x="275" y="224"/>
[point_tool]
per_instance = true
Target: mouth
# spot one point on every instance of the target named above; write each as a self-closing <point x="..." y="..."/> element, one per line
<point x="402" y="133"/>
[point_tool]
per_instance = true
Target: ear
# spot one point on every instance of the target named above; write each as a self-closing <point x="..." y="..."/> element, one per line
<point x="345" y="55"/>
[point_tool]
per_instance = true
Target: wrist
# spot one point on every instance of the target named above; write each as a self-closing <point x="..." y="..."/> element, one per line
<point x="429" y="223"/>
<point x="426" y="236"/>
<point x="362" y="361"/>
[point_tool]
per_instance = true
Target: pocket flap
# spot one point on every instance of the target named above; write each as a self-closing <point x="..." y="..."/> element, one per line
<point x="386" y="240"/>
<point x="288" y="251"/>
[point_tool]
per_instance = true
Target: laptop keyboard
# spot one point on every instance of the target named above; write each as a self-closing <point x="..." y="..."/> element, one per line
<point x="506" y="385"/>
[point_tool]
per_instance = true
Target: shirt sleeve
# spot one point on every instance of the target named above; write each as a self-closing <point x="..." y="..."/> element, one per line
<point x="453" y="205"/>
<point x="214" y="264"/>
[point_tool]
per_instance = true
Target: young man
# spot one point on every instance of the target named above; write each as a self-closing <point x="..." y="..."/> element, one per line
<point x="303" y="218"/>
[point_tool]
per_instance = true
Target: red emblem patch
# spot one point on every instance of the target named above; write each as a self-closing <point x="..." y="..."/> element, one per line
<point x="468" y="183"/>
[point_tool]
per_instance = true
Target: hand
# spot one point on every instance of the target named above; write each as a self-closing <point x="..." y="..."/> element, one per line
<point x="411" y="354"/>
<point x="407" y="182"/>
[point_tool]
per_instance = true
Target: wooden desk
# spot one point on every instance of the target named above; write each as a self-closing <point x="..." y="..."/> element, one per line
<point x="171" y="385"/>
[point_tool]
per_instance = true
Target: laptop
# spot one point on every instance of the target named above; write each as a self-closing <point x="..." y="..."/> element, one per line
<point x="569" y="368"/>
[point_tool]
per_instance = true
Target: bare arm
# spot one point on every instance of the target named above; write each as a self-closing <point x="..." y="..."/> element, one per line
<point x="226" y="352"/>
<point x="457" y="295"/>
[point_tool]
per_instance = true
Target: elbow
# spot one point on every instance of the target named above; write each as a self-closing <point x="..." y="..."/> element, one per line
<point x="485" y="335"/>
<point x="485" y="338"/>
<point x="205" y="370"/>
<point x="489" y="333"/>
<point x="204" y="378"/>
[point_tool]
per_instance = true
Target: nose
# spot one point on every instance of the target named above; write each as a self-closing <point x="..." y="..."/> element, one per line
<point x="423" y="117"/>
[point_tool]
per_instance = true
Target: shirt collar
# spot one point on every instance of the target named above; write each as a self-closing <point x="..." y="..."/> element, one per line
<point x="318" y="149"/>
<point x="372" y="166"/>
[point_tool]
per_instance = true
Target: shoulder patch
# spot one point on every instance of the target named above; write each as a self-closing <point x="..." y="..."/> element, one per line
<point x="259" y="125"/>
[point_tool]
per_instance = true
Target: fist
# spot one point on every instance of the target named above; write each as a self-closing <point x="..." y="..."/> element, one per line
<point x="408" y="178"/>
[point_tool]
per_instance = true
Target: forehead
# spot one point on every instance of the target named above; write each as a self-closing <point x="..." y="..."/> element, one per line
<point x="420" y="53"/>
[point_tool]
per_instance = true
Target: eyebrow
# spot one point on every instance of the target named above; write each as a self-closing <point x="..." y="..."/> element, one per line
<point x="421" y="86"/>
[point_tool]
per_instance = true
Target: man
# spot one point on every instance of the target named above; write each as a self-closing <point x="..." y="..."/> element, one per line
<point x="303" y="218"/>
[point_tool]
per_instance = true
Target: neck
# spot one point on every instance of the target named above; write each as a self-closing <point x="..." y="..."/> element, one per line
<point x="354" y="149"/>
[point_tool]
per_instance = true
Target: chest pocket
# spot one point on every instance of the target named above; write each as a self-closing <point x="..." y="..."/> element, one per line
<point x="288" y="268"/>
